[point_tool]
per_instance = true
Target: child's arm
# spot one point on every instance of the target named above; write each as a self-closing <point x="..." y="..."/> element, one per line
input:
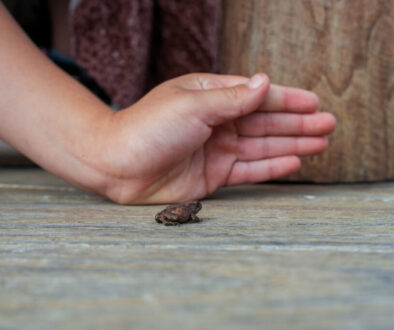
<point x="46" y="114"/>
<point x="183" y="140"/>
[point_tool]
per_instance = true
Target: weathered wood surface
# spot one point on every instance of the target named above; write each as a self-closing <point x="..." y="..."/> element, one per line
<point x="266" y="257"/>
<point x="344" y="51"/>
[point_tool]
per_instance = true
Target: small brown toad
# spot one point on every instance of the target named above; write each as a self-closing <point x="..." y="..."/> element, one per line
<point x="174" y="215"/>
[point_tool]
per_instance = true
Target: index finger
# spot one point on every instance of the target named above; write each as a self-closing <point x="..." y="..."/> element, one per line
<point x="289" y="99"/>
<point x="278" y="99"/>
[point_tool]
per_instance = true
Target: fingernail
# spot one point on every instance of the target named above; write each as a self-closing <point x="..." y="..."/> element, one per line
<point x="256" y="81"/>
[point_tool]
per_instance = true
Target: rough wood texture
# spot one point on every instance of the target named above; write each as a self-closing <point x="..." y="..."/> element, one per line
<point x="265" y="257"/>
<point x="344" y="51"/>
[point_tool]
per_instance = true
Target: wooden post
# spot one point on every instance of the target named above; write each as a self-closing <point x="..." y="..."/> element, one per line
<point x="342" y="50"/>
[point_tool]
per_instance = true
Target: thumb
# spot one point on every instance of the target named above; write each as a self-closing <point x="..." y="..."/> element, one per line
<point x="216" y="106"/>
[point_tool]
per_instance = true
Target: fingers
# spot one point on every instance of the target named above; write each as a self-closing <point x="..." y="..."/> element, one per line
<point x="226" y="97"/>
<point x="289" y="99"/>
<point x="277" y="124"/>
<point x="279" y="98"/>
<point x="206" y="81"/>
<point x="262" y="170"/>
<point x="250" y="149"/>
<point x="215" y="106"/>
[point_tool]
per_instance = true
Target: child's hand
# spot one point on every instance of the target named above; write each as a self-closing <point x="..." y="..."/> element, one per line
<point x="183" y="140"/>
<point x="196" y="133"/>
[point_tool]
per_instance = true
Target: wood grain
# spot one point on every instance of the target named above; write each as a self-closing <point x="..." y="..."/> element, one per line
<point x="344" y="51"/>
<point x="281" y="256"/>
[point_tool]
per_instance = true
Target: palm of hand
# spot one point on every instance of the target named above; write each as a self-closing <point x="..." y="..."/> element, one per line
<point x="203" y="171"/>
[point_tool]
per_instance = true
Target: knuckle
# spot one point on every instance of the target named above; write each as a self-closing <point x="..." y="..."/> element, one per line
<point x="236" y="95"/>
<point x="301" y="125"/>
<point x="207" y="83"/>
<point x="233" y="93"/>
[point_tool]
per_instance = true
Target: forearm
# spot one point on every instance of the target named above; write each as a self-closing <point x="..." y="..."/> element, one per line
<point x="46" y="114"/>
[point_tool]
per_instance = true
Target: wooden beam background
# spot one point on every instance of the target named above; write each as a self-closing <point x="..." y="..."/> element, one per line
<point x="342" y="50"/>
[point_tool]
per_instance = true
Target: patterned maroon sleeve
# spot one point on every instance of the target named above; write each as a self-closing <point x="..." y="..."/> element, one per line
<point x="128" y="46"/>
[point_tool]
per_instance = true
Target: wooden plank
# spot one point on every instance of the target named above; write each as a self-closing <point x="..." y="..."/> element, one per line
<point x="266" y="256"/>
<point x="342" y="50"/>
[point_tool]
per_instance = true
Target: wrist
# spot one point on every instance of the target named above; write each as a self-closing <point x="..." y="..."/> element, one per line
<point x="76" y="147"/>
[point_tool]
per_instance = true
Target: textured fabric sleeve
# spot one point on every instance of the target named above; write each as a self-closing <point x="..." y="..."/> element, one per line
<point x="128" y="46"/>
